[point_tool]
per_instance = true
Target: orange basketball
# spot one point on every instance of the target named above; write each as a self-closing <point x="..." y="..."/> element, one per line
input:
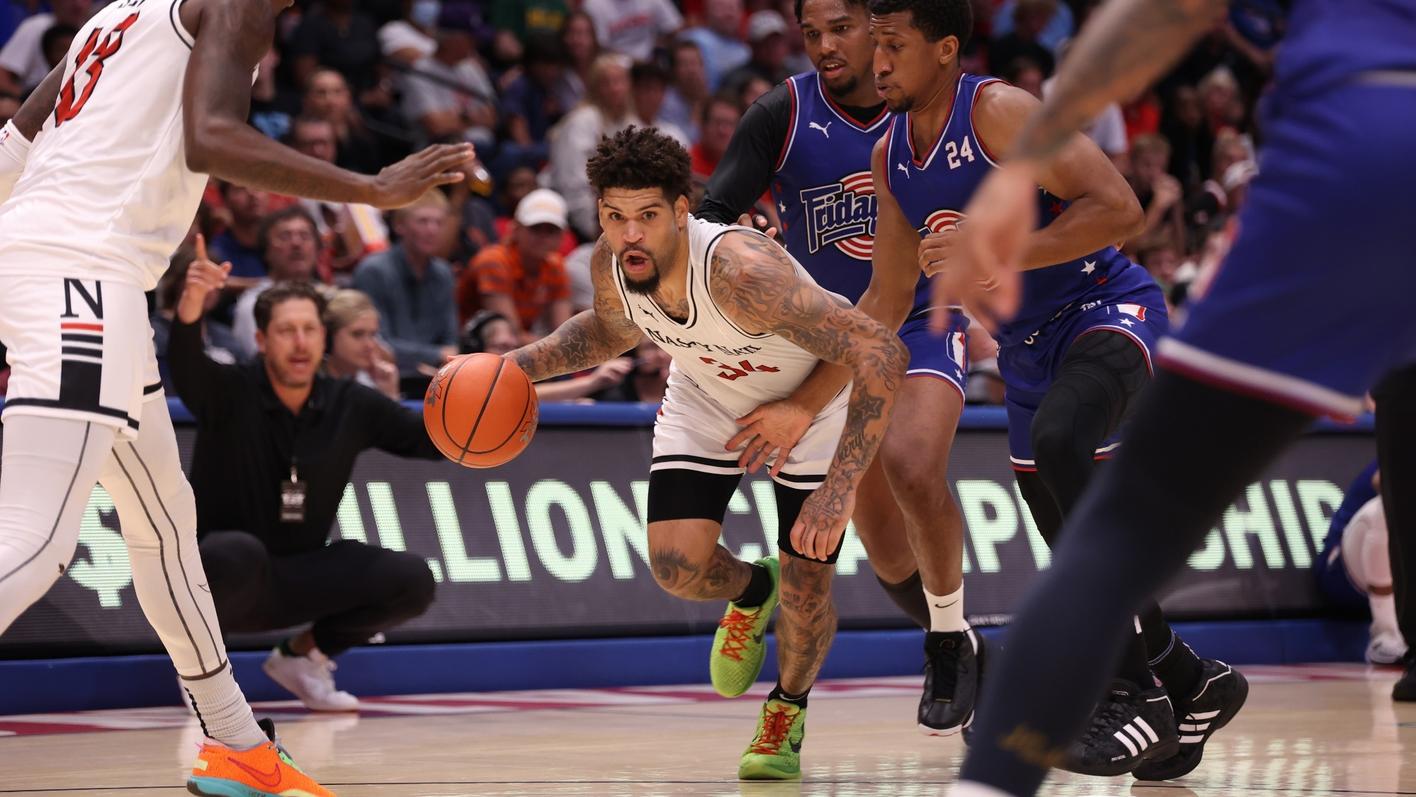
<point x="480" y="410"/>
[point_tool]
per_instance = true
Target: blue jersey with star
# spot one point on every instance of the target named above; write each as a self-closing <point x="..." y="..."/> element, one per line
<point x="823" y="191"/>
<point x="933" y="187"/>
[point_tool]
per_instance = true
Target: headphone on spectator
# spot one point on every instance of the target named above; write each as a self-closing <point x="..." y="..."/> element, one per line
<point x="470" y="341"/>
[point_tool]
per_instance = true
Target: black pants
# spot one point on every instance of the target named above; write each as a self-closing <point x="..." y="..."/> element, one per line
<point x="349" y="590"/>
<point x="1396" y="458"/>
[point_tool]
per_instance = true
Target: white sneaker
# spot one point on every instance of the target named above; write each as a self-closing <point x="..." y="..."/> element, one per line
<point x="310" y="678"/>
<point x="1386" y="648"/>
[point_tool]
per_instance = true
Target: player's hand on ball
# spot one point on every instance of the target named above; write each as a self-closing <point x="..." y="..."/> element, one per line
<point x="402" y="183"/>
<point x="771" y="430"/>
<point x="203" y="279"/>
<point x="822" y="522"/>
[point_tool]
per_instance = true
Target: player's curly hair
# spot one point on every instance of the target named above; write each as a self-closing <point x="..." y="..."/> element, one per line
<point x="936" y="19"/>
<point x="640" y="157"/>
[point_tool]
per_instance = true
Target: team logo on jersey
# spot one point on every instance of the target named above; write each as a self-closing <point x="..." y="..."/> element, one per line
<point x="841" y="214"/>
<point x="941" y="220"/>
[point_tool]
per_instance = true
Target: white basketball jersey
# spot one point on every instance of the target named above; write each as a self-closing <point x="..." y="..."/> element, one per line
<point x="738" y="370"/>
<point x="106" y="192"/>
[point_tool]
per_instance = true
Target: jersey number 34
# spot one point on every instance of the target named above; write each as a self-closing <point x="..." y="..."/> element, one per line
<point x="97" y="49"/>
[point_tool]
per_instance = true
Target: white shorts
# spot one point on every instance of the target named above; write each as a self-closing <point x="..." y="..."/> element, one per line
<point x="78" y="348"/>
<point x="692" y="430"/>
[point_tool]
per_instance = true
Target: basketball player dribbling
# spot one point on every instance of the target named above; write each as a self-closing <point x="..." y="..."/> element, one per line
<point x="1311" y="308"/>
<point x="1073" y="358"/>
<point x="744" y="324"/>
<point x="108" y="160"/>
<point x="809" y="141"/>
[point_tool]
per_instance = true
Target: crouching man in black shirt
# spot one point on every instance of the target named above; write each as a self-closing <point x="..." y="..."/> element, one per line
<point x="276" y="443"/>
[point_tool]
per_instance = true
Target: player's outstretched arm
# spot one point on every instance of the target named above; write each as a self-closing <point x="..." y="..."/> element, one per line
<point x="1124" y="47"/>
<point x="755" y="282"/>
<point x="231" y="37"/>
<point x="589" y="337"/>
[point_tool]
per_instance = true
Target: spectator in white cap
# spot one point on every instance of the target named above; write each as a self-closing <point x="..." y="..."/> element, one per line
<point x="524" y="278"/>
<point x="767" y="35"/>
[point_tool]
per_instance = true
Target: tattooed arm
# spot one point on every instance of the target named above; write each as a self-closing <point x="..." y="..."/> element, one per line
<point x="755" y="283"/>
<point x="589" y="337"/>
<point x="1125" y="46"/>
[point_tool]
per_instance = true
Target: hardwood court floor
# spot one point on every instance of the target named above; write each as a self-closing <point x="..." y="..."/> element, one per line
<point x="1307" y="731"/>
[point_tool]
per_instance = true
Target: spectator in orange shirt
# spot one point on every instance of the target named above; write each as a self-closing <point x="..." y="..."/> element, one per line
<point x="524" y="278"/>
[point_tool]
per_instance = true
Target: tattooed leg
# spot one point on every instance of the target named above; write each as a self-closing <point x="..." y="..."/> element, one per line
<point x="806" y="621"/>
<point x="689" y="563"/>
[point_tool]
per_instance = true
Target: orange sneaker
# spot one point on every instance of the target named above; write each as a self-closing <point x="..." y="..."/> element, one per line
<point x="264" y="771"/>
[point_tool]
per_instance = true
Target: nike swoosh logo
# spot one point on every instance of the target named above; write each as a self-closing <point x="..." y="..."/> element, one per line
<point x="268" y="779"/>
<point x="947" y="605"/>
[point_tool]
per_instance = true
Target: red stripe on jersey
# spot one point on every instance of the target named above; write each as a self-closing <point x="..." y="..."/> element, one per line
<point x="77" y="325"/>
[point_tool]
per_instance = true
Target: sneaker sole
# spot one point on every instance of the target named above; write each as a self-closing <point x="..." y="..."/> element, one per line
<point x="763" y="772"/>
<point x="1159" y="752"/>
<point x="220" y="787"/>
<point x="929" y="730"/>
<point x="354" y="709"/>
<point x="1185" y="767"/>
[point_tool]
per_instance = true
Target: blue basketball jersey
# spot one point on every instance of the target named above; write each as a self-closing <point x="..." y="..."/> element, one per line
<point x="823" y="192"/>
<point x="933" y="188"/>
<point x="1332" y="41"/>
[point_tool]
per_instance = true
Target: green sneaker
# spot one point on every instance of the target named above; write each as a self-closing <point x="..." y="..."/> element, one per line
<point x="740" y="645"/>
<point x="775" y="752"/>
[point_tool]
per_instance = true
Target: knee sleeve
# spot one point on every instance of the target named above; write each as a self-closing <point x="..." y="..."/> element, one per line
<point x="49" y="468"/>
<point x="1096" y="384"/>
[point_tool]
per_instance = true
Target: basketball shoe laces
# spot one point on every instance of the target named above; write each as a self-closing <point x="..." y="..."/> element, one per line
<point x="774" y="731"/>
<point x="739" y="627"/>
<point x="1104" y="723"/>
<point x="946" y="673"/>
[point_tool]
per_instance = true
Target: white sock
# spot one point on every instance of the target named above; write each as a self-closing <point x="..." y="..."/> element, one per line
<point x="946" y="612"/>
<point x="223" y="711"/>
<point x="1384" y="613"/>
<point x="968" y="788"/>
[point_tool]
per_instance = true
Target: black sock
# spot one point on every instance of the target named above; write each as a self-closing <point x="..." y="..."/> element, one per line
<point x="287" y="650"/>
<point x="1134" y="667"/>
<point x="757" y="589"/>
<point x="909" y="596"/>
<point x="1174" y="663"/>
<point x="778" y="693"/>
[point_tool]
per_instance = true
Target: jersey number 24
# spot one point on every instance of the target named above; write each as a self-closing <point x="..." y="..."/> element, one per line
<point x="97" y="49"/>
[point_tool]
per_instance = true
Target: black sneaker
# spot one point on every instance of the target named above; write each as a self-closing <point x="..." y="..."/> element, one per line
<point x="1220" y="695"/>
<point x="1405" y="689"/>
<point x="1128" y="728"/>
<point x="952" y="663"/>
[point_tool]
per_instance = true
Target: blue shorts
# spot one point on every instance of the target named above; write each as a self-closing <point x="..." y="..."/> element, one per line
<point x="1028" y="368"/>
<point x="937" y="356"/>
<point x="1314" y="303"/>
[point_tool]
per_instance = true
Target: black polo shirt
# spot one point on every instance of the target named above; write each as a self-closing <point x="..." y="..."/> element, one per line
<point x="247" y="442"/>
